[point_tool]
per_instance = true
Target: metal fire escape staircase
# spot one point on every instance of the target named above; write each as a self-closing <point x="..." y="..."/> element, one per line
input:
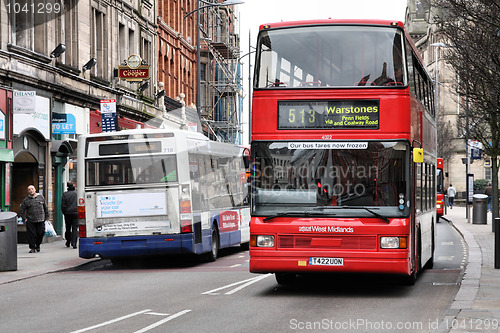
<point x="221" y="115"/>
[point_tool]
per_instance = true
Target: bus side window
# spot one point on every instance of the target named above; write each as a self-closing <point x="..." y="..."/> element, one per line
<point x="204" y="183"/>
<point x="194" y="175"/>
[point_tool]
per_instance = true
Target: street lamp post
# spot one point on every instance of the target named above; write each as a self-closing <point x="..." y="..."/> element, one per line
<point x="436" y="82"/>
<point x="436" y="103"/>
<point x="249" y="95"/>
<point x="198" y="46"/>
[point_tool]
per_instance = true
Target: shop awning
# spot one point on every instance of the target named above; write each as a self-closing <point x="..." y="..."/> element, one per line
<point x="61" y="148"/>
<point x="6" y="155"/>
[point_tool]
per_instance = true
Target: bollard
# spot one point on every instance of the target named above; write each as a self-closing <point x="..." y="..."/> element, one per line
<point x="497" y="243"/>
<point x="8" y="241"/>
<point x="479" y="208"/>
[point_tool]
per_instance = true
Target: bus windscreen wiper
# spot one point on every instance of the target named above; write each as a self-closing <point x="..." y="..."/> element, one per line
<point x="377" y="214"/>
<point x="357" y="207"/>
<point x="296" y="214"/>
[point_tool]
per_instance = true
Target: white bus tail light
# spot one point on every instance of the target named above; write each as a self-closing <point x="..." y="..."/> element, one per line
<point x="439" y="204"/>
<point x="186" y="217"/>
<point x="185" y="194"/>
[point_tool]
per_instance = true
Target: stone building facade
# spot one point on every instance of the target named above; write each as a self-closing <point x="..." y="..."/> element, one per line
<point x="450" y="102"/>
<point x="66" y="61"/>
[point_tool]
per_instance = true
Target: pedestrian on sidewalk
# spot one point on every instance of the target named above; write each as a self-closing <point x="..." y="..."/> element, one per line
<point x="34" y="212"/>
<point x="489" y="191"/>
<point x="70" y="211"/>
<point x="451" y="195"/>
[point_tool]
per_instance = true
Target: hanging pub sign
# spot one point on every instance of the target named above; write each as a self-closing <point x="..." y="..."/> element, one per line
<point x="134" y="70"/>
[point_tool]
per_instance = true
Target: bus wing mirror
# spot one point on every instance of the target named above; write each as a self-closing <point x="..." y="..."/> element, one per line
<point x="246" y="161"/>
<point x="418" y="155"/>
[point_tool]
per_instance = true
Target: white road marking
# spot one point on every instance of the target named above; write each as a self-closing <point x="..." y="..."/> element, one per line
<point x="257" y="279"/>
<point x="445" y="258"/>
<point x="163" y="321"/>
<point x="447" y="243"/>
<point x="111" y="321"/>
<point x="237" y="265"/>
<point x="244" y="283"/>
<point x="157" y="314"/>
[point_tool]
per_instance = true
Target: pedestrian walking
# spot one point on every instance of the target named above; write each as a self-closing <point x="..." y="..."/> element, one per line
<point x="34" y="212"/>
<point x="489" y="191"/>
<point x="70" y="211"/>
<point x="451" y="195"/>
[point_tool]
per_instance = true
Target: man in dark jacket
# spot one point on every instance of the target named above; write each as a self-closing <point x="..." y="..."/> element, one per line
<point x="34" y="212"/>
<point x="70" y="211"/>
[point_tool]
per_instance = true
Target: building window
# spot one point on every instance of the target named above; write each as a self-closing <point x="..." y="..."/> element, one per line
<point x="26" y="25"/>
<point x="146" y="50"/>
<point x="67" y="33"/>
<point x="203" y="71"/>
<point x="147" y="57"/>
<point x="131" y="42"/>
<point x="487" y="170"/>
<point x="122" y="43"/>
<point x="99" y="38"/>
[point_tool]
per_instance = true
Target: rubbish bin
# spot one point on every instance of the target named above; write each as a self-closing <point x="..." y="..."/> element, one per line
<point x="8" y="241"/>
<point x="479" y="208"/>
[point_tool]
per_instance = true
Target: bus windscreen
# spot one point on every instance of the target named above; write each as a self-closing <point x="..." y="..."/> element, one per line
<point x="330" y="56"/>
<point x="340" y="176"/>
<point x="131" y="170"/>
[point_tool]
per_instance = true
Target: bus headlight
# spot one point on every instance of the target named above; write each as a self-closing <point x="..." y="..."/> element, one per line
<point x="262" y="240"/>
<point x="393" y="242"/>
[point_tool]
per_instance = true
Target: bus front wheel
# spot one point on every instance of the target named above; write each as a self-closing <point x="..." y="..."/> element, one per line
<point x="285" y="278"/>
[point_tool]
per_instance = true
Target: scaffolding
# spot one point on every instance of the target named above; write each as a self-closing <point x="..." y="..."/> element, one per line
<point x="221" y="102"/>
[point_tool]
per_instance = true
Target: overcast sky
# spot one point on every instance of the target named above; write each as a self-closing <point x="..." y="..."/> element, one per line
<point x="253" y="13"/>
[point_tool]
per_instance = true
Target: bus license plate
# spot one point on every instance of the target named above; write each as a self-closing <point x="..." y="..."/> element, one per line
<point x="326" y="261"/>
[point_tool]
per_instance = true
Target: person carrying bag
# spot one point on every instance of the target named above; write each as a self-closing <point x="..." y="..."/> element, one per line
<point x="34" y="212"/>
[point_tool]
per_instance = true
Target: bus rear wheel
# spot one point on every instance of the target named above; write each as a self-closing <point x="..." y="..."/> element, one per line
<point x="214" y="250"/>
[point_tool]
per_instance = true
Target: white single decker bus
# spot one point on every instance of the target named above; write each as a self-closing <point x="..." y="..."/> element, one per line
<point x="149" y="192"/>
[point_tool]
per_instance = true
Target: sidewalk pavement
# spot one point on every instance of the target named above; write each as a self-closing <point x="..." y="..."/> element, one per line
<point x="476" y="307"/>
<point x="54" y="256"/>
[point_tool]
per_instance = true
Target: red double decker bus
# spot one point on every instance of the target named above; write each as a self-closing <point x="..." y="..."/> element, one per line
<point x="343" y="151"/>
<point x="440" y="201"/>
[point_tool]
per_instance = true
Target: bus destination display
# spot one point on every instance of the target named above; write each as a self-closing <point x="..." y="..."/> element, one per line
<point x="331" y="114"/>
